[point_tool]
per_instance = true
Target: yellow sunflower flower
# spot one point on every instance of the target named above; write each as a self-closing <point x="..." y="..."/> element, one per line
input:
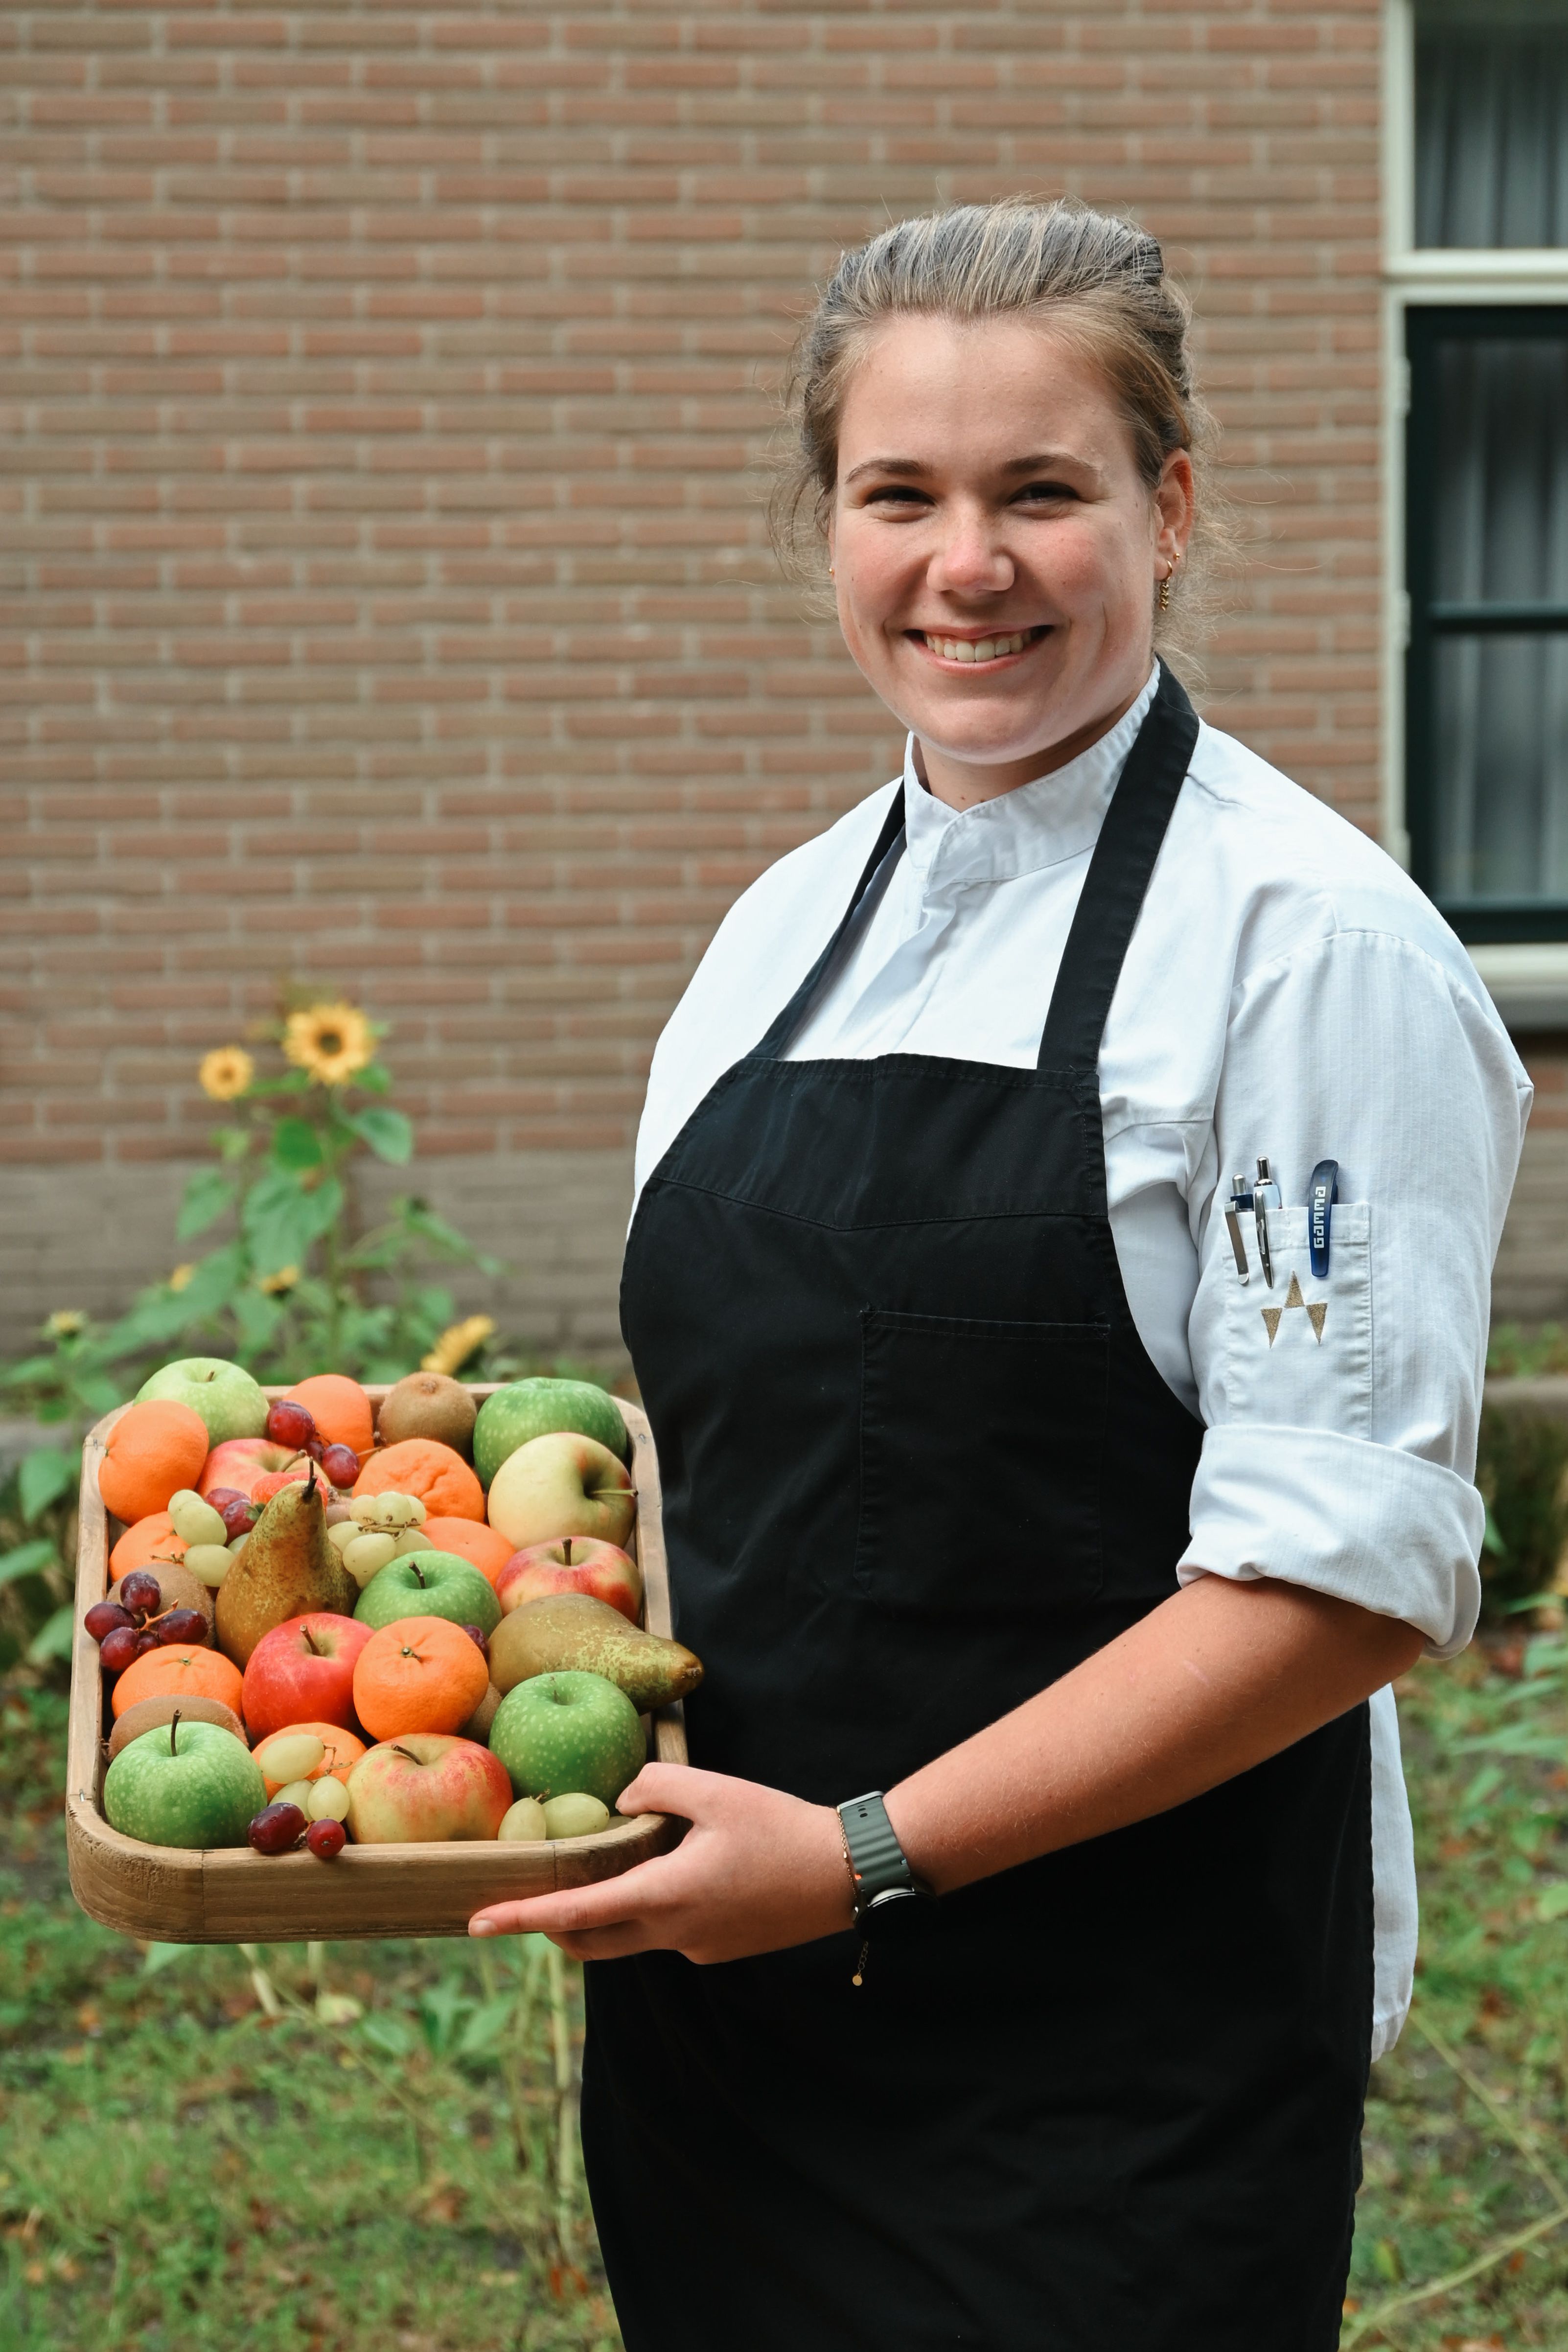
<point x="182" y="1275"/>
<point x="225" y="1072"/>
<point x="275" y="1284"/>
<point x="66" y="1322"/>
<point x="457" y="1344"/>
<point x="332" y="1041"/>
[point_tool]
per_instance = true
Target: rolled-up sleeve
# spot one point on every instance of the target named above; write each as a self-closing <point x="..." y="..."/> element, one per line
<point x="1341" y="1410"/>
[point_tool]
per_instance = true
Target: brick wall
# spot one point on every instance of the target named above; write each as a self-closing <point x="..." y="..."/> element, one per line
<point x="387" y="601"/>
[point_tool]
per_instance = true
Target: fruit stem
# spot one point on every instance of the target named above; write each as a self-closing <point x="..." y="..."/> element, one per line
<point x="567" y="1547"/>
<point x="419" y="1574"/>
<point x="407" y="1753"/>
<point x="173" y="1726"/>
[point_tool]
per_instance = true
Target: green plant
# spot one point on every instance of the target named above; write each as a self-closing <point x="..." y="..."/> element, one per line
<point x="1523" y="1471"/>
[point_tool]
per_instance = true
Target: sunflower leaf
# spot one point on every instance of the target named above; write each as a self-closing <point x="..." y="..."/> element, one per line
<point x="296" y="1144"/>
<point x="389" y="1134"/>
<point x="282" y="1220"/>
<point x="45" y="1476"/>
<point x="54" y="1637"/>
<point x="256" y="1318"/>
<point x="375" y="1078"/>
<point x="207" y="1195"/>
<point x="26" y="1559"/>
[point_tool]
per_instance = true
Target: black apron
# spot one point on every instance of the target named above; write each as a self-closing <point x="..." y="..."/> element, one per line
<point x="917" y="1464"/>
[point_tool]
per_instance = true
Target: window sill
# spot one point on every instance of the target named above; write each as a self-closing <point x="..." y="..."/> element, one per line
<point x="1527" y="980"/>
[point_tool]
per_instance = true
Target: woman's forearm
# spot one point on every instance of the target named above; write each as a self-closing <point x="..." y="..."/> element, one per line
<point x="1212" y="1681"/>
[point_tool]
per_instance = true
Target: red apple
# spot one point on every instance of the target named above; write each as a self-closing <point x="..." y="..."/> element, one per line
<point x="243" y="1462"/>
<point x="426" y="1785"/>
<point x="573" y="1564"/>
<point x="304" y="1672"/>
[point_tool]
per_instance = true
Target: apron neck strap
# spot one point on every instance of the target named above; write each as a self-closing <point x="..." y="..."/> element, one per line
<point x="778" y="1037"/>
<point x="1117" y="879"/>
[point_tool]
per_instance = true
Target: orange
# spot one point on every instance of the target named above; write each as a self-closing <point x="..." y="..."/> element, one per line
<point x="343" y="1752"/>
<point x="419" y="1673"/>
<point x="153" y="1537"/>
<point x="153" y="1450"/>
<point x="171" y="1671"/>
<point x="423" y="1466"/>
<point x="486" y="1546"/>
<point x="340" y="1409"/>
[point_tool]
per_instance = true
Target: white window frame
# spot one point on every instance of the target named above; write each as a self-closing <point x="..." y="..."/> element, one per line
<point x="1528" y="979"/>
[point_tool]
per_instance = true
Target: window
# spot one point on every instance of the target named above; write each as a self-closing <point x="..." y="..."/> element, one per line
<point x="1486" y="529"/>
<point x="1479" y="302"/>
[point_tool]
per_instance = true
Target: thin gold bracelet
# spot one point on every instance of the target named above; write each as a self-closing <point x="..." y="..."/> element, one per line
<point x="860" y="1975"/>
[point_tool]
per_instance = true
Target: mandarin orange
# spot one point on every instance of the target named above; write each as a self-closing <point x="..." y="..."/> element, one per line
<point x="424" y="1466"/>
<point x="174" y="1670"/>
<point x="418" y="1674"/>
<point x="153" y="1537"/>
<point x="486" y="1547"/>
<point x="152" y="1450"/>
<point x="340" y="1409"/>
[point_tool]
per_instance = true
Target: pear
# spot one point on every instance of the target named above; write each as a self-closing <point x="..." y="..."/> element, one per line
<point x="573" y="1632"/>
<point x="287" y="1569"/>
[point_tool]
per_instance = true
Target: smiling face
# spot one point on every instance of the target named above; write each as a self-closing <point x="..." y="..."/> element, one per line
<point x="996" y="549"/>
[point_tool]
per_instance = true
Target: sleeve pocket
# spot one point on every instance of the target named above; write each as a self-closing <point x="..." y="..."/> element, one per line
<point x="1300" y="1354"/>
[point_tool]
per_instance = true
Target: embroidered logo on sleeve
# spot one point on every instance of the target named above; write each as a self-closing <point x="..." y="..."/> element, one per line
<point x="1316" y="1310"/>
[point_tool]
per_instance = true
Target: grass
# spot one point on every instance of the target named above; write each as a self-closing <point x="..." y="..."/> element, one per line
<point x="330" y="2149"/>
<point x="306" y="2149"/>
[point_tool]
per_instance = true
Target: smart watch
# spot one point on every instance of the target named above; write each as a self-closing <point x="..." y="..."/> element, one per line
<point x="877" y="1863"/>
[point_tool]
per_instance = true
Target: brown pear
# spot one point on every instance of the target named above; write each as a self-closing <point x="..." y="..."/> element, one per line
<point x="287" y="1569"/>
<point x="572" y="1631"/>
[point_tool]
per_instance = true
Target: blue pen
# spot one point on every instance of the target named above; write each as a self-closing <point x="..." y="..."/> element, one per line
<point x="1322" y="1194"/>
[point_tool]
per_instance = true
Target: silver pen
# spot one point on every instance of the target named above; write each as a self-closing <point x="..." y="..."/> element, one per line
<point x="1261" y="1208"/>
<point x="1232" y="1225"/>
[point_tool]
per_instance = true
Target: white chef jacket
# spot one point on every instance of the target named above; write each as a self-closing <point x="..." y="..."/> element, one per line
<point x="1287" y="990"/>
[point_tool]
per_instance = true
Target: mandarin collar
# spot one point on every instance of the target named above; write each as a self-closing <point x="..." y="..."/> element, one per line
<point x="1057" y="817"/>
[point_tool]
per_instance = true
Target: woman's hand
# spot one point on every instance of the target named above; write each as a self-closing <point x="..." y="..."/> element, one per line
<point x="756" y="1871"/>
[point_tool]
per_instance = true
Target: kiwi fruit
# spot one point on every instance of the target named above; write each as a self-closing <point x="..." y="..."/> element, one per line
<point x="149" y="1713"/>
<point x="179" y="1587"/>
<point x="428" y="1404"/>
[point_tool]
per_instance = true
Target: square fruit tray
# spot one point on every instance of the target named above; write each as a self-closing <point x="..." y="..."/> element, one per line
<point x="228" y="1895"/>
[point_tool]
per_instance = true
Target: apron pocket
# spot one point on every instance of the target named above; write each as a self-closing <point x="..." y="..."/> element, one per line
<point x="980" y="1464"/>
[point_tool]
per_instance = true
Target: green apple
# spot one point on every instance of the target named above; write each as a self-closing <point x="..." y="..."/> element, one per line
<point x="184" y="1783"/>
<point x="429" y="1584"/>
<point x="225" y="1396"/>
<point x="538" y="1407"/>
<point x="561" y="1734"/>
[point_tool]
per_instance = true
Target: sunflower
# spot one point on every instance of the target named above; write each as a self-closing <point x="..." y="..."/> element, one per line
<point x="457" y="1344"/>
<point x="66" y="1322"/>
<point x="276" y="1285"/>
<point x="332" y="1041"/>
<point x="225" y="1072"/>
<point x="182" y="1275"/>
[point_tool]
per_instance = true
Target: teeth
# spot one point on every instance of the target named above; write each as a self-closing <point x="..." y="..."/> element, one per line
<point x="963" y="649"/>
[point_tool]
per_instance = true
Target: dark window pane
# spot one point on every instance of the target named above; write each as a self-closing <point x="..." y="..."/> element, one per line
<point x="1500" y="482"/>
<point x="1491" y="131"/>
<point x="1500" y="746"/>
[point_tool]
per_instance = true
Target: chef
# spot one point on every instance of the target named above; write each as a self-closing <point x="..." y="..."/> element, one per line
<point x="1058" y="1286"/>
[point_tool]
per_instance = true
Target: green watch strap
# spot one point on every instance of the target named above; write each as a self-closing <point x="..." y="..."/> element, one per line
<point x="879" y="1861"/>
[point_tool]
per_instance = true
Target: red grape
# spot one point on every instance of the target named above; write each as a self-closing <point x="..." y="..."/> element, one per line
<point x="119" y="1649"/>
<point x="141" y="1592"/>
<point x="235" y="1510"/>
<point x="325" y="1838"/>
<point x="104" y="1616"/>
<point x="476" y="1634"/>
<point x="290" y="1424"/>
<point x="146" y="1640"/>
<point x="188" y="1626"/>
<point x="277" y="1829"/>
<point x="340" y="1463"/>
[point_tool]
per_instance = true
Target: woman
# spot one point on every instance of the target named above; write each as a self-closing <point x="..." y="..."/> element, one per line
<point x="1009" y="1469"/>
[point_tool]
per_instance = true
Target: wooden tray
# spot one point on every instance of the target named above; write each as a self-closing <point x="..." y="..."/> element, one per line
<point x="228" y="1895"/>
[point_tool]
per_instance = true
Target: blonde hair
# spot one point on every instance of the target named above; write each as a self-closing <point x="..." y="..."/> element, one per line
<point x="1083" y="274"/>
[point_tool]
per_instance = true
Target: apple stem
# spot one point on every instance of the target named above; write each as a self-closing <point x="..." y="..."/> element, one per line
<point x="419" y="1574"/>
<point x="173" y="1726"/>
<point x="567" y="1547"/>
<point x="310" y="1644"/>
<point x="408" y="1754"/>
